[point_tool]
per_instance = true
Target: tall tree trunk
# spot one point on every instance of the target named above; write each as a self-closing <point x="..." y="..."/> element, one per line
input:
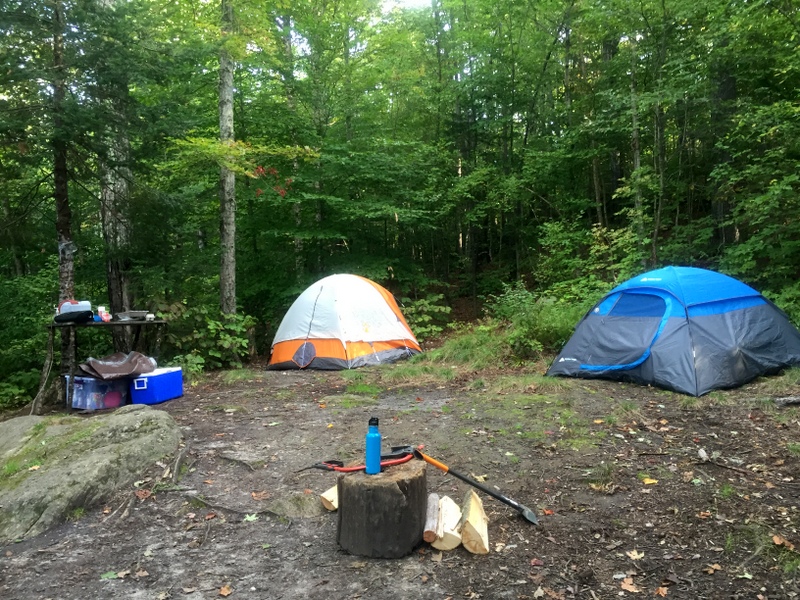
<point x="115" y="182"/>
<point x="66" y="247"/>
<point x="227" y="178"/>
<point x="637" y="159"/>
<point x="114" y="200"/>
<point x="721" y="111"/>
<point x="660" y="147"/>
<point x="287" y="72"/>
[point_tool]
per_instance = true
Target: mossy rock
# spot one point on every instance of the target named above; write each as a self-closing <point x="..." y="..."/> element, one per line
<point x="51" y="466"/>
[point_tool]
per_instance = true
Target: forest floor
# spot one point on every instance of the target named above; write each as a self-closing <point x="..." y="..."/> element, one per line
<point x="639" y="493"/>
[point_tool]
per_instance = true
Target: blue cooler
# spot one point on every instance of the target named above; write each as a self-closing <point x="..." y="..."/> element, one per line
<point x="157" y="386"/>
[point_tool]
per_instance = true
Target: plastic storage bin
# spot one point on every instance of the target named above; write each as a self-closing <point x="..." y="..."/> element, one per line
<point x="89" y="393"/>
<point x="157" y="386"/>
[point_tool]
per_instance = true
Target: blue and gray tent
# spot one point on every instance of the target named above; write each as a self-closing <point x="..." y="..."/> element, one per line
<point x="681" y="328"/>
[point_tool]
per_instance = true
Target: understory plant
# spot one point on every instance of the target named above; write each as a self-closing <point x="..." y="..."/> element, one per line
<point x="204" y="337"/>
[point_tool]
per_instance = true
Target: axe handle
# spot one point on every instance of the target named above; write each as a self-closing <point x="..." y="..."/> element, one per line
<point x="434" y="462"/>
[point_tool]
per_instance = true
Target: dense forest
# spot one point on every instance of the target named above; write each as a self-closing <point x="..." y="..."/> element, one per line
<point x="208" y="159"/>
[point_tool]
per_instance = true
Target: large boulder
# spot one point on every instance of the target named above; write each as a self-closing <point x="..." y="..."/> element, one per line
<point x="53" y="467"/>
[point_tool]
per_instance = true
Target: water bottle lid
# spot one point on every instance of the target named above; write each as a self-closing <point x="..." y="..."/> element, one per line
<point x="373" y="422"/>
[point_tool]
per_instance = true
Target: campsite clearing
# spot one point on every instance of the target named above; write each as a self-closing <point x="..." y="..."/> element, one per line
<point x="639" y="493"/>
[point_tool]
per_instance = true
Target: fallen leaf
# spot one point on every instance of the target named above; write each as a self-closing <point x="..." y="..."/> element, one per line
<point x="547" y="511"/>
<point x="628" y="586"/>
<point x="260" y="495"/>
<point x="142" y="573"/>
<point x="537" y="562"/>
<point x="424" y="579"/>
<point x="599" y="421"/>
<point x="649" y="481"/>
<point x="330" y="425"/>
<point x="143" y="494"/>
<point x="436" y="557"/>
<point x="308" y="491"/>
<point x="662" y="591"/>
<point x="123" y="574"/>
<point x="34" y="468"/>
<point x="419" y="399"/>
<point x="250" y="518"/>
<point x="703" y="515"/>
<point x="711" y="569"/>
<point x="225" y="590"/>
<point x="635" y="554"/>
<point x="539" y="593"/>
<point x="109" y="575"/>
<point x="209" y="482"/>
<point x="188" y="590"/>
<point x="779" y="540"/>
<point x="210" y="516"/>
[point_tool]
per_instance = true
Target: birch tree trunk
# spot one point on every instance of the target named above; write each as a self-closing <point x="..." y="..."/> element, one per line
<point x="227" y="178"/>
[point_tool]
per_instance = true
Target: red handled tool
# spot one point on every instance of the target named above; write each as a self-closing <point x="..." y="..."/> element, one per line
<point x="398" y="455"/>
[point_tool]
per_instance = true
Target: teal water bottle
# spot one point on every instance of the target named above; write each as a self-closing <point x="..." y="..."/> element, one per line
<point x="373" y="462"/>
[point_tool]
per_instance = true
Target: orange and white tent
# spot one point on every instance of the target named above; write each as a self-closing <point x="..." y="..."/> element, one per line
<point x="342" y="322"/>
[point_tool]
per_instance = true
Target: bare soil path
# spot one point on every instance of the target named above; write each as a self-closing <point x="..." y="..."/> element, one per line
<point x="639" y="492"/>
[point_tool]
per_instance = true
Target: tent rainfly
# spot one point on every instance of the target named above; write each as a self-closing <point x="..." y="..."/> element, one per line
<point x="342" y="322"/>
<point x="681" y="328"/>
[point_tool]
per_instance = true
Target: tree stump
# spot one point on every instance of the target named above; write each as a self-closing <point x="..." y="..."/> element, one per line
<point x="383" y="515"/>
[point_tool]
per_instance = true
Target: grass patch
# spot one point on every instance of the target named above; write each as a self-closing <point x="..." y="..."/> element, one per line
<point x="363" y="389"/>
<point x="476" y="347"/>
<point x="793" y="448"/>
<point x="354" y="401"/>
<point x="538" y="417"/>
<point x="726" y="491"/>
<point x="76" y="514"/>
<point x="689" y="402"/>
<point x="236" y="375"/>
<point x="528" y="383"/>
<point x="419" y="373"/>
<point x="601" y="477"/>
<point x="783" y="384"/>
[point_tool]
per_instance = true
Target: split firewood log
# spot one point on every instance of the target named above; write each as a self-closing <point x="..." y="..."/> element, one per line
<point x="474" y="524"/>
<point x="448" y="530"/>
<point x="330" y="498"/>
<point x="431" y="518"/>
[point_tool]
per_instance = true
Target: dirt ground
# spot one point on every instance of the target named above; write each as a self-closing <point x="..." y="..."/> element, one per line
<point x="639" y="493"/>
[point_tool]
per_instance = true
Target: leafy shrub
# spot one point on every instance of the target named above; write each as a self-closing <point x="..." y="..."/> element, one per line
<point x="534" y="324"/>
<point x="18" y="388"/>
<point x="426" y="316"/>
<point x="212" y="339"/>
<point x="191" y="365"/>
